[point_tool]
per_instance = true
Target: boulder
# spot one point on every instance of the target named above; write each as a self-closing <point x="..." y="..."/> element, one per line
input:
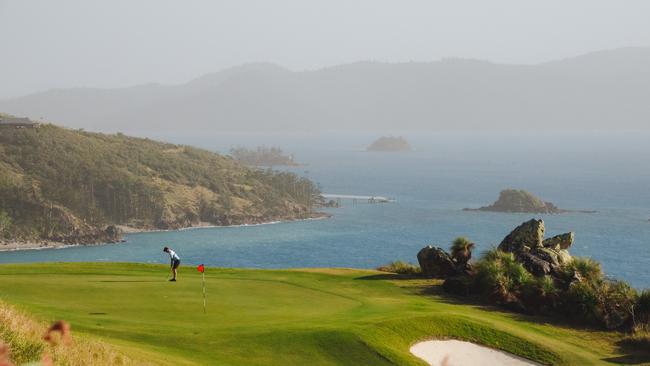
<point x="534" y="264"/>
<point x="528" y="235"/>
<point x="548" y="255"/>
<point x="113" y="233"/>
<point x="435" y="263"/>
<point x="563" y="241"/>
<point x="564" y="257"/>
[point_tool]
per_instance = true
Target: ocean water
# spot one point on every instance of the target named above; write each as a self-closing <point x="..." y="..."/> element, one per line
<point x="446" y="172"/>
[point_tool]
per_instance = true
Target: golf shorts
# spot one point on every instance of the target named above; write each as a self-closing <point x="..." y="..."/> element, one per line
<point x="176" y="263"/>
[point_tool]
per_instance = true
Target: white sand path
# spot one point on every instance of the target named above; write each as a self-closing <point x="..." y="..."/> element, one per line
<point x="459" y="353"/>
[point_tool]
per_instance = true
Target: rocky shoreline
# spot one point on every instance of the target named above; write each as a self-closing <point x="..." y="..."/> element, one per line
<point x="121" y="230"/>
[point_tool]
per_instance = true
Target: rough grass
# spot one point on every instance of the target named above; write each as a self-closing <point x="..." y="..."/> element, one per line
<point x="280" y="317"/>
<point x="24" y="336"/>
<point x="400" y="267"/>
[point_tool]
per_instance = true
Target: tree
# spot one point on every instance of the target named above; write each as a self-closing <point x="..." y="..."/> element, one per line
<point x="5" y="222"/>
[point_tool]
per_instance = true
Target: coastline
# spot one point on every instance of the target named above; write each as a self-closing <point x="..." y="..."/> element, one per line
<point x="14" y="246"/>
<point x="46" y="244"/>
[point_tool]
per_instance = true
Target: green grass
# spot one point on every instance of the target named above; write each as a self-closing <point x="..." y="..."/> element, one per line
<point x="281" y="317"/>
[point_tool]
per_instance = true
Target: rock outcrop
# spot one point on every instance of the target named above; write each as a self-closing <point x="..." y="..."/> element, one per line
<point x="526" y="242"/>
<point x="113" y="234"/>
<point x="563" y="241"/>
<point x="436" y="263"/>
<point x="526" y="236"/>
<point x="513" y="200"/>
<point x="540" y="257"/>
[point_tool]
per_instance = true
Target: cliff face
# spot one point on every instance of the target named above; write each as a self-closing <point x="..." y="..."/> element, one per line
<point x="512" y="200"/>
<point x="71" y="186"/>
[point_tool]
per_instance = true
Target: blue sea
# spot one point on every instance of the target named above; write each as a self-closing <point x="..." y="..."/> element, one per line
<point x="446" y="172"/>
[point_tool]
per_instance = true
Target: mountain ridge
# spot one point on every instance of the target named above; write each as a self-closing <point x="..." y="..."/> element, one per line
<point x="599" y="90"/>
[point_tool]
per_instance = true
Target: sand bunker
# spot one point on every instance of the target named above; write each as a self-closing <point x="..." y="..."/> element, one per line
<point x="458" y="353"/>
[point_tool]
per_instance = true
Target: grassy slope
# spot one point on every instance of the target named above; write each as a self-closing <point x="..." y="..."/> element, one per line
<point x="279" y="317"/>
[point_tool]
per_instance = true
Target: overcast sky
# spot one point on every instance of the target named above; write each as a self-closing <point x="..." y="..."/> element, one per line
<point x="73" y="43"/>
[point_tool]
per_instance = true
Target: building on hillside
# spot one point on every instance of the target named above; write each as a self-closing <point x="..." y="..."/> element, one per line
<point x="16" y="122"/>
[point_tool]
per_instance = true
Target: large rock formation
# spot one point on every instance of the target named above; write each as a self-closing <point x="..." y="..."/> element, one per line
<point x="526" y="242"/>
<point x="563" y="241"/>
<point x="540" y="257"/>
<point x="526" y="236"/>
<point x="436" y="263"/>
<point x="513" y="200"/>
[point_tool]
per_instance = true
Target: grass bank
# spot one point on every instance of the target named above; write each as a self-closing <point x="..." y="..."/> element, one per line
<point x="282" y="317"/>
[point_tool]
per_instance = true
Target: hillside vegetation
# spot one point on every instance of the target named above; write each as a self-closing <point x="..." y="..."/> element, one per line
<point x="67" y="186"/>
<point x="284" y="317"/>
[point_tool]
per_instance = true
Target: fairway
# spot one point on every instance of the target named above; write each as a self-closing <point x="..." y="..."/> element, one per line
<point x="280" y="317"/>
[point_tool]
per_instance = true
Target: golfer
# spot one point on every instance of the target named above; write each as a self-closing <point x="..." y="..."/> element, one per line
<point x="175" y="261"/>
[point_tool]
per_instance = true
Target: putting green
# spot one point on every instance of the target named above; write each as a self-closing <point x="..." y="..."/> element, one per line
<point x="280" y="317"/>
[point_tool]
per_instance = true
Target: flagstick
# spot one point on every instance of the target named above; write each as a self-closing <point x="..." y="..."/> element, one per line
<point x="203" y="282"/>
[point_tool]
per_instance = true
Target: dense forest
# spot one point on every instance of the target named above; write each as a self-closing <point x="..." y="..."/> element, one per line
<point x="69" y="185"/>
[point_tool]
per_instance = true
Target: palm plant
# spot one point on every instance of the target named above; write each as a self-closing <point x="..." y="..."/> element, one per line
<point x="587" y="268"/>
<point x="461" y="250"/>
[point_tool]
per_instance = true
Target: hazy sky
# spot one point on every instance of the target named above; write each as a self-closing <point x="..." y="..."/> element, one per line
<point x="72" y="43"/>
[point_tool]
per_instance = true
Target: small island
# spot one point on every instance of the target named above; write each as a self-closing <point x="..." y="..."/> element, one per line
<point x="521" y="201"/>
<point x="262" y="156"/>
<point x="389" y="144"/>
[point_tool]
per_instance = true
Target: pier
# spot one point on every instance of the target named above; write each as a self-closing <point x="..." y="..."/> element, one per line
<point x="357" y="198"/>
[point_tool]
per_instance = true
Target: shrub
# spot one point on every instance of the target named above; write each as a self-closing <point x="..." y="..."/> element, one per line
<point x="577" y="290"/>
<point x="604" y="303"/>
<point x="499" y="275"/>
<point x="642" y="309"/>
<point x="5" y="223"/>
<point x="581" y="303"/>
<point x="617" y="304"/>
<point x="400" y="267"/>
<point x="540" y="295"/>
<point x="587" y="268"/>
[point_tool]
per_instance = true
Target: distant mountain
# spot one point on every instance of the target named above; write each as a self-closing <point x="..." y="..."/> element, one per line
<point x="601" y="90"/>
<point x="68" y="186"/>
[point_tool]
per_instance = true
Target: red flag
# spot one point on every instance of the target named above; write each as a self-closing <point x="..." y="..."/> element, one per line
<point x="201" y="268"/>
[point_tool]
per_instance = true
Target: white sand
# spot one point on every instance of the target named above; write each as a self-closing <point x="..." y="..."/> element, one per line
<point x="458" y="353"/>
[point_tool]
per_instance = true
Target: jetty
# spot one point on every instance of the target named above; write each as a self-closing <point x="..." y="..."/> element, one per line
<point x="357" y="198"/>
